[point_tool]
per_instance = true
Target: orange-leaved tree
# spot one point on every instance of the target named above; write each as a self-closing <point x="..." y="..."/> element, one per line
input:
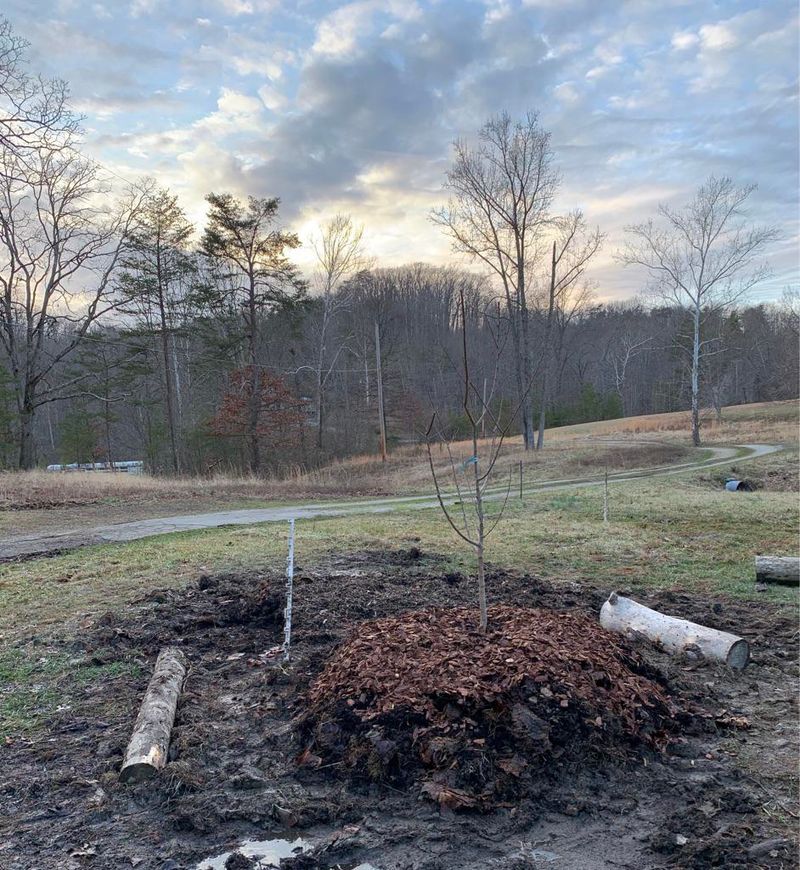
<point x="280" y="415"/>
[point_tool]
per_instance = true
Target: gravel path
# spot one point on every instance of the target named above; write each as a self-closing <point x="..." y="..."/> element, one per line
<point x="27" y="546"/>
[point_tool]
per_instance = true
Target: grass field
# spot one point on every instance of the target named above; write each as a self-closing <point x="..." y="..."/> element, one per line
<point x="684" y="530"/>
<point x="406" y="471"/>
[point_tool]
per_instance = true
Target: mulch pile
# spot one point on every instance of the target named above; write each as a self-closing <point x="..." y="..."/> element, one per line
<point x="478" y="718"/>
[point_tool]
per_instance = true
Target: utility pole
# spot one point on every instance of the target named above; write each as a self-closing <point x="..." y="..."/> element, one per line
<point x="483" y="414"/>
<point x="381" y="417"/>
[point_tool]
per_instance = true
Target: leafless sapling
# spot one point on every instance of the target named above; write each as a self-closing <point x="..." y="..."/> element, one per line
<point x="473" y="526"/>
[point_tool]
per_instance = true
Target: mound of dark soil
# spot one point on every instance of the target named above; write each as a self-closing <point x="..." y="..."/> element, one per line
<point x="478" y="717"/>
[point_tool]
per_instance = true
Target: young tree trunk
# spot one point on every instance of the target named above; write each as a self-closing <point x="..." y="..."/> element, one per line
<point x="696" y="378"/>
<point x="481" y="532"/>
<point x="482" y="585"/>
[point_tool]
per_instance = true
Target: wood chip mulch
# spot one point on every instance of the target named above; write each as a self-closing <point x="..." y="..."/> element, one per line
<point x="425" y="696"/>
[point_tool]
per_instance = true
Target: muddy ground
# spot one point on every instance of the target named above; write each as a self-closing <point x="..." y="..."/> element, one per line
<point x="723" y="795"/>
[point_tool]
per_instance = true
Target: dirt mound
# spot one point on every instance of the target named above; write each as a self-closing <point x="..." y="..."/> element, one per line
<point x="218" y="611"/>
<point x="479" y="717"/>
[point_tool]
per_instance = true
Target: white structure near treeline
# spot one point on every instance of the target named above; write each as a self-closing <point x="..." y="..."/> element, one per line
<point x="130" y="466"/>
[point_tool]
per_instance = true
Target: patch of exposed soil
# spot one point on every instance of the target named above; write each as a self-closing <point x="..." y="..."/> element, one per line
<point x="721" y="795"/>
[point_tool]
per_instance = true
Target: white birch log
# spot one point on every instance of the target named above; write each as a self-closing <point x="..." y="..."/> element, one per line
<point x="147" y="750"/>
<point x="626" y="616"/>
<point x="784" y="570"/>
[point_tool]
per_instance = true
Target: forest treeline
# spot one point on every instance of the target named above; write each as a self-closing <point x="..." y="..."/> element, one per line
<point x="607" y="361"/>
<point x="127" y="333"/>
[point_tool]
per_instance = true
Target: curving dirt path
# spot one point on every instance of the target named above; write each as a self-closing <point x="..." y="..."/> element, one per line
<point x="29" y="546"/>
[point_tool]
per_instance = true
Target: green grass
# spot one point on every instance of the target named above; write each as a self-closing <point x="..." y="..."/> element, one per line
<point x="27" y="690"/>
<point x="35" y="681"/>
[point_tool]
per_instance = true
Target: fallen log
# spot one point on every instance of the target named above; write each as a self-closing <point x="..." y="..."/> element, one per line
<point x="784" y="570"/>
<point x="147" y="750"/>
<point x="627" y="616"/>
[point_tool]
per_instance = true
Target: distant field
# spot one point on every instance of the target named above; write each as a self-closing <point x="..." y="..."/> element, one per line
<point x="769" y="422"/>
<point x="35" y="501"/>
<point x="681" y="532"/>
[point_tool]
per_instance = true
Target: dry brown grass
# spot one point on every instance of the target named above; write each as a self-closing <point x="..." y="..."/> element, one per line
<point x="20" y="490"/>
<point x="760" y="422"/>
<point x="569" y="453"/>
<point x="406" y="472"/>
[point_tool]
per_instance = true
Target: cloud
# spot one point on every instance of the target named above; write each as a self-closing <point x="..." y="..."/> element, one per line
<point x="684" y="39"/>
<point x="353" y="106"/>
<point x="715" y="37"/>
<point x="566" y="92"/>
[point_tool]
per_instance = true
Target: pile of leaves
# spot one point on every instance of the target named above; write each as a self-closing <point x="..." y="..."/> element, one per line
<point x="478" y="718"/>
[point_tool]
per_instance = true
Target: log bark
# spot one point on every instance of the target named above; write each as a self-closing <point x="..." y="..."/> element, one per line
<point x="147" y="750"/>
<point x="784" y="570"/>
<point x="627" y="616"/>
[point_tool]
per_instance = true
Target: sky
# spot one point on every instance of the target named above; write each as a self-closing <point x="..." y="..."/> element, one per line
<point x="353" y="107"/>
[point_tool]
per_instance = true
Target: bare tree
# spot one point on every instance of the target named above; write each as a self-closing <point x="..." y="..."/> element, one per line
<point x="573" y="248"/>
<point x="59" y="248"/>
<point x="33" y="111"/>
<point x="340" y="255"/>
<point x="620" y="353"/>
<point x="502" y="191"/>
<point x="702" y="259"/>
<point x="479" y="467"/>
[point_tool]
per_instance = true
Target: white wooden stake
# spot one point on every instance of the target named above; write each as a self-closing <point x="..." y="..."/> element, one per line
<point x="287" y="613"/>
<point x="605" y="497"/>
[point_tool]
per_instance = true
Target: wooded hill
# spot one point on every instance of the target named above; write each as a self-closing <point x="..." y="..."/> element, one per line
<point x="606" y="361"/>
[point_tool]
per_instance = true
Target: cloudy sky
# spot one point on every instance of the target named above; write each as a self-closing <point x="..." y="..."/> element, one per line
<point x="353" y="107"/>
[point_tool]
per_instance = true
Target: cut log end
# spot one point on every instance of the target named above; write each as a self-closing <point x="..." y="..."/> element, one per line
<point x="137" y="772"/>
<point x="738" y="655"/>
